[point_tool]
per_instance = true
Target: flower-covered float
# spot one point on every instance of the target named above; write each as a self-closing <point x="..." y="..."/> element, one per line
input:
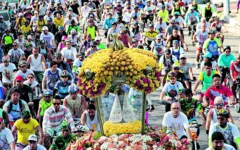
<point x="122" y="127"/>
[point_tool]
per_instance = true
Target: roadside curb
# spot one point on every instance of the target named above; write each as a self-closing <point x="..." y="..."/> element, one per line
<point x="233" y="22"/>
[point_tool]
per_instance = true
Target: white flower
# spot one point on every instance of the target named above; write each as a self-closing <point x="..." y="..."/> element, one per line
<point x="104" y="146"/>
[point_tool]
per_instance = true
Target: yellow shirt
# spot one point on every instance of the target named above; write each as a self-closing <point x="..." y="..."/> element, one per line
<point x="25" y="130"/>
<point x="58" y="22"/>
<point x="40" y="24"/>
<point x="25" y="29"/>
<point x="22" y="22"/>
<point x="163" y="15"/>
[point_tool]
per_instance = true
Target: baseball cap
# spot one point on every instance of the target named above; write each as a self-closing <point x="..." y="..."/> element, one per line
<point x="35" y="12"/>
<point x="22" y="62"/>
<point x="167" y="51"/>
<point x="1" y="17"/>
<point x="177" y="13"/>
<point x="29" y="37"/>
<point x="176" y="66"/>
<point x="182" y="56"/>
<point x="26" y="114"/>
<point x="70" y="8"/>
<point x="65" y="125"/>
<point x="60" y="28"/>
<point x="207" y="55"/>
<point x="175" y="41"/>
<point x="32" y="137"/>
<point x="97" y="38"/>
<point x="150" y="25"/>
<point x="159" y="37"/>
<point x="15" y="43"/>
<point x="108" y="7"/>
<point x="19" y="78"/>
<point x="45" y="28"/>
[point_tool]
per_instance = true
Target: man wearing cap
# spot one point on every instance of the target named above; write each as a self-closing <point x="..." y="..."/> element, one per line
<point x="40" y="23"/>
<point x="23" y="71"/>
<point x="15" y="53"/>
<point x="212" y="45"/>
<point x="176" y="49"/>
<point x="150" y="35"/>
<point x="48" y="37"/>
<point x="113" y="30"/>
<point x="58" y="36"/>
<point x="7" y="40"/>
<point x="7" y="70"/>
<point x="191" y="19"/>
<point x="51" y="26"/>
<point x="163" y="13"/>
<point x="3" y="24"/>
<point x="229" y="130"/>
<point x="100" y="45"/>
<point x="218" y="142"/>
<point x="61" y="142"/>
<point x="91" y="29"/>
<point x="107" y="24"/>
<point x="24" y="127"/>
<point x="179" y="19"/>
<point x="15" y="106"/>
<point x="33" y="143"/>
<point x="157" y="46"/>
<point x="160" y="26"/>
<point x="26" y="92"/>
<point x="208" y="11"/>
<point x="6" y="137"/>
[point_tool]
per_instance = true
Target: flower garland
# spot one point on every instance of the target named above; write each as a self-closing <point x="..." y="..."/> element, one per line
<point x="139" y="67"/>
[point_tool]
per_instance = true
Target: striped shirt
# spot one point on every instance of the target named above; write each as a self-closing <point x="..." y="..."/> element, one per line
<point x="53" y="119"/>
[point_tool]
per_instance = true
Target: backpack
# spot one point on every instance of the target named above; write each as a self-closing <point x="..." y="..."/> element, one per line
<point x="9" y="108"/>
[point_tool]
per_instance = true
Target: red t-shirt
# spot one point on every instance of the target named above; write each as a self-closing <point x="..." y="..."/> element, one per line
<point x="234" y="68"/>
<point x="213" y="92"/>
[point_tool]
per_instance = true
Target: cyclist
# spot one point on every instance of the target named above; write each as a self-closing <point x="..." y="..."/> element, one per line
<point x="218" y="142"/>
<point x="235" y="74"/>
<point x="107" y="24"/>
<point x="208" y="57"/>
<point x="157" y="46"/>
<point x="7" y="139"/>
<point x="212" y="113"/>
<point x="205" y="77"/>
<point x="208" y="11"/>
<point x="24" y="128"/>
<point x="165" y="63"/>
<point x="61" y="142"/>
<point x="192" y="18"/>
<point x="150" y="35"/>
<point x="200" y="36"/>
<point x="224" y="62"/>
<point x="175" y="36"/>
<point x="212" y="45"/>
<point x="217" y="26"/>
<point x="171" y="89"/>
<point x="160" y="26"/>
<point x="177" y="121"/>
<point x="33" y="143"/>
<point x="189" y="106"/>
<point x="61" y="86"/>
<point x="217" y="89"/>
<point x="89" y="118"/>
<point x="176" y="49"/>
<point x="75" y="102"/>
<point x="163" y="13"/>
<point x="229" y="130"/>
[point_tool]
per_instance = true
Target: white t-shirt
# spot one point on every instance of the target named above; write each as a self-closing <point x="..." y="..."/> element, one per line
<point x="6" y="138"/>
<point x="234" y="130"/>
<point x="47" y="38"/>
<point x="168" y="87"/>
<point x="226" y="147"/>
<point x="163" y="25"/>
<point x="112" y="31"/>
<point x="178" y="124"/>
<point x="7" y="72"/>
<point x="85" y="11"/>
<point x="201" y="36"/>
<point x="42" y="10"/>
<point x="34" y="20"/>
<point x="24" y="75"/>
<point x="69" y="54"/>
<point x="39" y="147"/>
<point x="126" y="17"/>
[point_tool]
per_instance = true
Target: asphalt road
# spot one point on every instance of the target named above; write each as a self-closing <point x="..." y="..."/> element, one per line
<point x="232" y="38"/>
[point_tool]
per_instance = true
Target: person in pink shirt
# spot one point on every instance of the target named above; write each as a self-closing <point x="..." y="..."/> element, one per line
<point x="235" y="74"/>
<point x="217" y="89"/>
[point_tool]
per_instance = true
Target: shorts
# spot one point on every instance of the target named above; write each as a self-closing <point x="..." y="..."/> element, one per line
<point x="20" y="146"/>
<point x="53" y="132"/>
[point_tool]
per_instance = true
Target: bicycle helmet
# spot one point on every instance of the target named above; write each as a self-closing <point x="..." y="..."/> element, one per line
<point x="72" y="89"/>
<point x="57" y="54"/>
<point x="46" y="93"/>
<point x="224" y="113"/>
<point x="64" y="73"/>
<point x="60" y="28"/>
<point x="6" y="59"/>
<point x="226" y="47"/>
<point x="187" y="91"/>
<point x="172" y="74"/>
<point x="72" y="21"/>
<point x="42" y="42"/>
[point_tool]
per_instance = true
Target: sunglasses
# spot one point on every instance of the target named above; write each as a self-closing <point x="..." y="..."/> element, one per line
<point x="219" y="104"/>
<point x="23" y="66"/>
<point x="30" y="77"/>
<point x="56" y="103"/>
<point x="176" y="68"/>
<point x="64" y="76"/>
<point x="47" y="96"/>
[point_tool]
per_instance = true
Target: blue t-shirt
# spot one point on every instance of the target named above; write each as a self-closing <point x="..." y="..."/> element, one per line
<point x="52" y="78"/>
<point x="62" y="88"/>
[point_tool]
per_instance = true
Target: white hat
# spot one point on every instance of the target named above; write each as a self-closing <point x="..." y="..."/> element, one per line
<point x="45" y="28"/>
<point x="32" y="137"/>
<point x="29" y="37"/>
<point x="97" y="38"/>
<point x="182" y="56"/>
<point x="20" y="14"/>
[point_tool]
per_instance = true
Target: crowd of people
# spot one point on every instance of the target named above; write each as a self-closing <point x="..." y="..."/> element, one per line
<point x="44" y="43"/>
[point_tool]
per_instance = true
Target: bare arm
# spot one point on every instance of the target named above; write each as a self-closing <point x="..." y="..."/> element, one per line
<point x="196" y="85"/>
<point x="39" y="129"/>
<point x="83" y="119"/>
<point x="162" y="95"/>
<point x="12" y="145"/>
<point x="14" y="130"/>
<point x="209" y="119"/>
<point x="44" y="62"/>
<point x="28" y="60"/>
<point x="65" y="103"/>
<point x="44" y="82"/>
